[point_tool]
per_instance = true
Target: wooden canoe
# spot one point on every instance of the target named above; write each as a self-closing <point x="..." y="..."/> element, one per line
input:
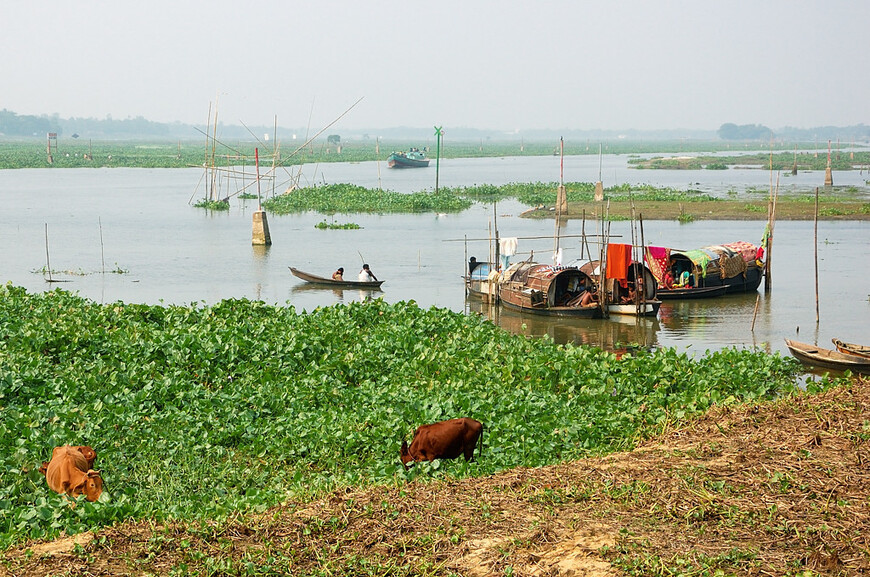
<point x="852" y="349"/>
<point x="826" y="358"/>
<point x="691" y="292"/>
<point x="332" y="283"/>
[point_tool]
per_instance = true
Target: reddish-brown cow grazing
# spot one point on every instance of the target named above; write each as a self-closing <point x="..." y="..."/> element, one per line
<point x="89" y="454"/>
<point x="444" y="440"/>
<point x="70" y="472"/>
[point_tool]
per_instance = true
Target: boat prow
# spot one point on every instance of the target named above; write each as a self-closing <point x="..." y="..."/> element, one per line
<point x="819" y="357"/>
<point x="852" y="349"/>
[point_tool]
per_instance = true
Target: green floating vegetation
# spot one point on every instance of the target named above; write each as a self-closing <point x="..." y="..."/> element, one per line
<point x="199" y="411"/>
<point x="544" y="193"/>
<point x="248" y="196"/>
<point x="323" y="225"/>
<point x="213" y="204"/>
<point x="351" y="198"/>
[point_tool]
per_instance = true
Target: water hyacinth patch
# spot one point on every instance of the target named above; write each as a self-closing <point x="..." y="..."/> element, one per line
<point x="350" y="198"/>
<point x="199" y="411"/>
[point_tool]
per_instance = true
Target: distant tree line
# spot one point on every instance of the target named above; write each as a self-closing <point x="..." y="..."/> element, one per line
<point x="846" y="134"/>
<point x="12" y="124"/>
<point x="730" y="131"/>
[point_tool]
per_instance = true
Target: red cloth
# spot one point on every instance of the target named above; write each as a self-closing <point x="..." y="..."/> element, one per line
<point x="618" y="260"/>
<point x="657" y="259"/>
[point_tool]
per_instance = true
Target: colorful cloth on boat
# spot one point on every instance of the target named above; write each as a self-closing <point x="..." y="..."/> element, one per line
<point x="747" y="250"/>
<point x="657" y="259"/>
<point x="618" y="261"/>
<point x="701" y="258"/>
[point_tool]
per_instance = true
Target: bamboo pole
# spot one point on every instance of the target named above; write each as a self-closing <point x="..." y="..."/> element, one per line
<point x="641" y="297"/>
<point x="467" y="271"/>
<point x="102" y="249"/>
<point x="47" y="259"/>
<point x="754" y="314"/>
<point x="816" y="251"/>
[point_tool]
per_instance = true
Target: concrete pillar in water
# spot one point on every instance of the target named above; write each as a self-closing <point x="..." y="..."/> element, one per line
<point x="829" y="178"/>
<point x="599" y="191"/>
<point x="260" y="233"/>
<point x="562" y="201"/>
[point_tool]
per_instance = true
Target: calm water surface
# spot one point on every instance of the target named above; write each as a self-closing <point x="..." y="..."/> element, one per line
<point x="139" y="221"/>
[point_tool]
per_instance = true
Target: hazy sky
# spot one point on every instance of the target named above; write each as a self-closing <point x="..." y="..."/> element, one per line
<point x="489" y="64"/>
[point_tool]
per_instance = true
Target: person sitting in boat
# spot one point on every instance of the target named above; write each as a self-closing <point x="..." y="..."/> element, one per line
<point x="589" y="297"/>
<point x="366" y="274"/>
<point x="631" y="296"/>
<point x="339" y="274"/>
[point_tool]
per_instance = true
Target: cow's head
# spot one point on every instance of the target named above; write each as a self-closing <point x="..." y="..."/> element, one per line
<point x="91" y="487"/>
<point x="405" y="454"/>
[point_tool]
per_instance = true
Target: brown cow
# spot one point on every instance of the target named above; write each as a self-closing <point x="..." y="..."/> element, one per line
<point x="88" y="452"/>
<point x="70" y="472"/>
<point x="444" y="440"/>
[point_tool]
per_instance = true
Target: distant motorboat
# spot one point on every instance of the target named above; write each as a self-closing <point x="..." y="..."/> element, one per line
<point x="413" y="158"/>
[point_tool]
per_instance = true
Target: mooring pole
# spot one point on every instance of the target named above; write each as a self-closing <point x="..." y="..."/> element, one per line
<point x="260" y="233"/>
<point x="816" y="251"/>
<point x="437" y="156"/>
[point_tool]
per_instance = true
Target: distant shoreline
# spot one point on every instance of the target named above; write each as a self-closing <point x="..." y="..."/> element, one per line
<point x="786" y="209"/>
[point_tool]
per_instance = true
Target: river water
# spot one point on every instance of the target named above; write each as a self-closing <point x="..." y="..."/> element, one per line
<point x="131" y="235"/>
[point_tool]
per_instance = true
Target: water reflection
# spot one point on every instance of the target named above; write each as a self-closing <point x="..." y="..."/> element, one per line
<point x="616" y="334"/>
<point x="363" y="295"/>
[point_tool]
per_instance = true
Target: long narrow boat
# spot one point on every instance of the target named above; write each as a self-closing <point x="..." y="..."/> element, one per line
<point x="691" y="292"/>
<point x="332" y="283"/>
<point x="852" y="349"/>
<point x="826" y="358"/>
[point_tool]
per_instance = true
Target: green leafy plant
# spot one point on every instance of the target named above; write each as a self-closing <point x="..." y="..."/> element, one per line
<point x="199" y="411"/>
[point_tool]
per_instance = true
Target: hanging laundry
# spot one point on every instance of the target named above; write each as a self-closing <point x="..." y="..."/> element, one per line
<point x="658" y="260"/>
<point x="618" y="261"/>
<point x="507" y="246"/>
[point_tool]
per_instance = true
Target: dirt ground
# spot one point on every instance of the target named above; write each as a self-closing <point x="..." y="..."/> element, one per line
<point x="768" y="489"/>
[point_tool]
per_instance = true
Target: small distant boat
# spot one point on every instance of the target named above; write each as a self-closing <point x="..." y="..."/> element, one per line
<point x="332" y="283"/>
<point x="826" y="358"/>
<point x="413" y="158"/>
<point x="852" y="349"/>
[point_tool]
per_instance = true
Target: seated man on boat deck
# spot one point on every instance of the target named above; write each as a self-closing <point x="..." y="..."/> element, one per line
<point x="339" y="274"/>
<point x="366" y="274"/>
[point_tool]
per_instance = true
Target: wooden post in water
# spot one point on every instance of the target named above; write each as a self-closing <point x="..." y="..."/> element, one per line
<point x="260" y="233"/>
<point x="437" y="155"/>
<point x="771" y="220"/>
<point x="599" y="187"/>
<point x="829" y="176"/>
<point x="816" y="250"/>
